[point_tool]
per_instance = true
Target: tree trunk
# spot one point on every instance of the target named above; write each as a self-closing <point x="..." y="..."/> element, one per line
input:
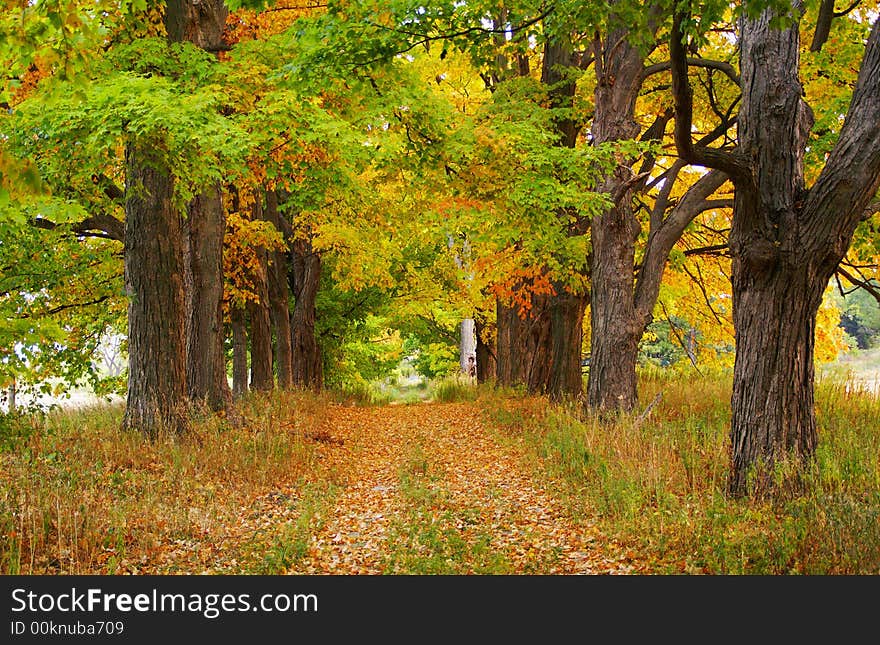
<point x="510" y="346"/>
<point x="201" y="22"/>
<point x="772" y="405"/>
<point x="523" y="346"/>
<point x="563" y="378"/>
<point x="239" y="352"/>
<point x="10" y="397"/>
<point x="615" y="330"/>
<point x="207" y="382"/>
<point x="154" y="271"/>
<point x="262" y="377"/>
<point x="308" y="369"/>
<point x="485" y="352"/>
<point x="567" y="330"/>
<point x="467" y="347"/>
<point x="785" y="241"/>
<point x="279" y="299"/>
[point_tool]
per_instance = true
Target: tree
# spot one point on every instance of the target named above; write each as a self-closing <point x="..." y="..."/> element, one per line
<point x="176" y="330"/>
<point x="787" y="238"/>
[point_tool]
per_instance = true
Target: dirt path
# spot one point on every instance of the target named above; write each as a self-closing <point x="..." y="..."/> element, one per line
<point x="426" y="489"/>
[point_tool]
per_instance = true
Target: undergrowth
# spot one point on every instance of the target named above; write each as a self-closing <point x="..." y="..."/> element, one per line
<point x="79" y="495"/>
<point x="658" y="483"/>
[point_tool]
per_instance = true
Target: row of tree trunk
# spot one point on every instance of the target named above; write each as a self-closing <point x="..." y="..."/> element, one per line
<point x="786" y="243"/>
<point x="284" y="348"/>
<point x="786" y="240"/>
<point x="174" y="280"/>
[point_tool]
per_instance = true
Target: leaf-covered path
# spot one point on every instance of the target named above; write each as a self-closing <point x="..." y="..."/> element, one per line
<point x="427" y="489"/>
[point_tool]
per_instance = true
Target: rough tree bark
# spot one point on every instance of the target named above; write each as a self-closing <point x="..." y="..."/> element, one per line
<point x="262" y="377"/>
<point x="523" y="345"/>
<point x="201" y="22"/>
<point x="305" y="277"/>
<point x="786" y="241"/>
<point x="567" y="332"/>
<point x="615" y="331"/>
<point x="156" y="265"/>
<point x="564" y="378"/>
<point x="207" y="382"/>
<point x="279" y="300"/>
<point x="154" y="271"/>
<point x="485" y="352"/>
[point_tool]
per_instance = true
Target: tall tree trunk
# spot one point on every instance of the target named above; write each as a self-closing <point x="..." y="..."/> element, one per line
<point x="308" y="370"/>
<point x="467" y="347"/>
<point x="239" y="352"/>
<point x="615" y="332"/>
<point x="279" y="299"/>
<point x="563" y="378"/>
<point x="207" y="381"/>
<point x="201" y="22"/>
<point x="154" y="271"/>
<point x="262" y="377"/>
<point x="785" y="241"/>
<point x="155" y="264"/>
<point x="567" y="332"/>
<point x="772" y="403"/>
<point x="485" y="352"/>
<point x="510" y="346"/>
<point x="780" y="268"/>
<point x="523" y="345"/>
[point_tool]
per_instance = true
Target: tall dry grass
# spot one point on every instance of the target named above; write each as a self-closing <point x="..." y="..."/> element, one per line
<point x="658" y="483"/>
<point x="78" y="495"/>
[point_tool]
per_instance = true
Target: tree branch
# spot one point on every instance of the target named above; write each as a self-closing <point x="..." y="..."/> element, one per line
<point x="722" y="66"/>
<point x="848" y="183"/>
<point x="108" y="227"/>
<point x="712" y="249"/>
<point x="862" y="284"/>
<point x="683" y="100"/>
<point x="662" y="238"/>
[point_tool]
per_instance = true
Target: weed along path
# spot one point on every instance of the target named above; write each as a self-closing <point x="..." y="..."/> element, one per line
<point x="426" y="489"/>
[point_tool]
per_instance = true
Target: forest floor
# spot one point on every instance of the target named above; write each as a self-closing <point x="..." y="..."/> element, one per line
<point x="419" y="489"/>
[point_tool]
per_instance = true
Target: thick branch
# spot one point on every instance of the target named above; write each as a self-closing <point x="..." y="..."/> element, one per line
<point x="823" y="25"/>
<point x="683" y="100"/>
<point x="110" y="188"/>
<point x="823" y="22"/>
<point x="107" y="227"/>
<point x="848" y="182"/>
<point x="720" y="65"/>
<point x="662" y="239"/>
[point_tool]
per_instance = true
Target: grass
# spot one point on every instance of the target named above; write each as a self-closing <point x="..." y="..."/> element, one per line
<point x="78" y="495"/>
<point x="454" y="389"/>
<point x="658" y="485"/>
